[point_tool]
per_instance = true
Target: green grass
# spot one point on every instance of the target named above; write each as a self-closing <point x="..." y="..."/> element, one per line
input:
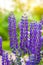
<point x="6" y="45"/>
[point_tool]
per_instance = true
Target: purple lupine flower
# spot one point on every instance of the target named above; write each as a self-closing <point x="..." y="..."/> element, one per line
<point x="32" y="57"/>
<point x="0" y="45"/>
<point x="28" y="62"/>
<point x="35" y="40"/>
<point x="31" y="60"/>
<point x="23" y="33"/>
<point x="28" y="46"/>
<point x="7" y="60"/>
<point x="32" y="45"/>
<point x="38" y="42"/>
<point x="4" y="58"/>
<point x="12" y="31"/>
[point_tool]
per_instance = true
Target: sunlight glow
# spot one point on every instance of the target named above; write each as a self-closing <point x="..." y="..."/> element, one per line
<point x="6" y="4"/>
<point x="23" y="1"/>
<point x="34" y="4"/>
<point x="10" y="5"/>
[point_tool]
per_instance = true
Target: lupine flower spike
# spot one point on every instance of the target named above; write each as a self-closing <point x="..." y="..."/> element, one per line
<point x="12" y="31"/>
<point x="24" y="33"/>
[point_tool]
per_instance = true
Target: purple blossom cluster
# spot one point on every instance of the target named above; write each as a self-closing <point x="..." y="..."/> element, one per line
<point x="35" y="40"/>
<point x="31" y="60"/>
<point x="5" y="58"/>
<point x="12" y="31"/>
<point x="32" y="45"/>
<point x="24" y="33"/>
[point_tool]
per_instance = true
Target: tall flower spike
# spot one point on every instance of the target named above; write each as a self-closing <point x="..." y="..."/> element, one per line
<point x="35" y="40"/>
<point x="0" y="45"/>
<point x="5" y="58"/>
<point x="12" y="31"/>
<point x="24" y="33"/>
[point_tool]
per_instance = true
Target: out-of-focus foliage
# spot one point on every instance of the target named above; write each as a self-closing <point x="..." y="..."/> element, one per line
<point x="4" y="26"/>
<point x="6" y="45"/>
